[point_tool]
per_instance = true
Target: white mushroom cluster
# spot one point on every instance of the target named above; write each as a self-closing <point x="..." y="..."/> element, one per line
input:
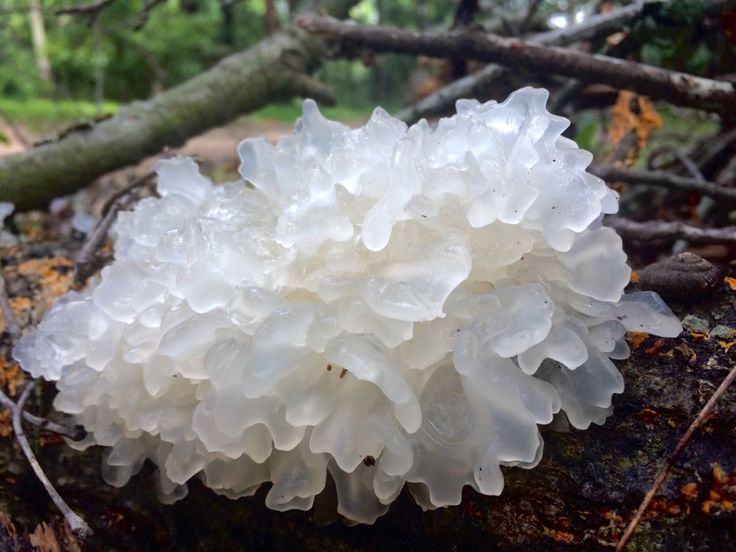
<point x="392" y="306"/>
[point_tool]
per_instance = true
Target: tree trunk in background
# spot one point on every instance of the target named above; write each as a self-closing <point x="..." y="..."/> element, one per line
<point x="380" y="83"/>
<point x="227" y="9"/>
<point x="421" y="13"/>
<point x="270" y="18"/>
<point x="292" y="8"/>
<point x="99" y="69"/>
<point x="38" y="36"/>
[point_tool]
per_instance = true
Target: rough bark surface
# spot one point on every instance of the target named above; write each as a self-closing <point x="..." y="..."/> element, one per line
<point x="580" y="496"/>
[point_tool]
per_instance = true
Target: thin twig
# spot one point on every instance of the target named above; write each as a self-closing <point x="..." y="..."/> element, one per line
<point x="85" y="262"/>
<point x="675" y="87"/>
<point x="93" y="8"/>
<point x="671" y="231"/>
<point x="146" y="13"/>
<point x="79" y="527"/>
<point x="75" y="433"/>
<point x="664" y="180"/>
<point x="530" y="13"/>
<point x="11" y="321"/>
<point x="664" y="470"/>
<point x="137" y="183"/>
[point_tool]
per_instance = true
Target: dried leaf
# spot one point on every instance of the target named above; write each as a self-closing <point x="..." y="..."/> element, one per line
<point x="636" y="338"/>
<point x="44" y="539"/>
<point x="633" y="114"/>
<point x="6" y="424"/>
<point x="730" y="282"/>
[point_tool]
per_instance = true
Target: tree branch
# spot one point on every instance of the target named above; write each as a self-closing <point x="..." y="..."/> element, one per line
<point x="671" y="231"/>
<point x="677" y="88"/>
<point x="93" y="8"/>
<point x="663" y="180"/>
<point x="472" y="85"/>
<point x="75" y="433"/>
<point x="145" y="14"/>
<point x="87" y="258"/>
<point x="273" y="70"/>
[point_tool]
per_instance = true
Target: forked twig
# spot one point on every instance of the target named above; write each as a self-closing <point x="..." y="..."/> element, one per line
<point x="79" y="527"/>
<point x="85" y="262"/>
<point x="664" y="470"/>
<point x="76" y="432"/>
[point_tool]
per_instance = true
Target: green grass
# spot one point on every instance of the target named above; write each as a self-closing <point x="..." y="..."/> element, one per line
<point x="288" y="112"/>
<point x="40" y="113"/>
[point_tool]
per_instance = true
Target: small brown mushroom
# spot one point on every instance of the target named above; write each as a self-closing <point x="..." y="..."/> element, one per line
<point x="683" y="277"/>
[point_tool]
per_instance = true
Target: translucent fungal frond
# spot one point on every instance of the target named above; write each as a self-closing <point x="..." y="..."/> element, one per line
<point x="385" y="304"/>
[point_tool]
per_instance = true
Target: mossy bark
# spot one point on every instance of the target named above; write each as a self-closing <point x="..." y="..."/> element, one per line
<point x="274" y="70"/>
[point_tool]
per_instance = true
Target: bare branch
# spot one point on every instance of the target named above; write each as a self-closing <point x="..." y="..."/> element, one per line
<point x="669" y="462"/>
<point x="93" y="8"/>
<point x="75" y="433"/>
<point x="86" y="258"/>
<point x="671" y="231"/>
<point x="663" y="180"/>
<point x="677" y="88"/>
<point x="473" y="85"/>
<point x="79" y="527"/>
<point x="530" y="11"/>
<point x="145" y="14"/>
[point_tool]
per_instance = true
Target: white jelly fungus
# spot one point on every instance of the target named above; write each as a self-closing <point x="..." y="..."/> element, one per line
<point x="385" y="304"/>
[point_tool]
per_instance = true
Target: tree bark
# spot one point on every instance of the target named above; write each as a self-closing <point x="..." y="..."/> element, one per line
<point x="664" y="180"/>
<point x="270" y="18"/>
<point x="674" y="87"/>
<point x="671" y="231"/>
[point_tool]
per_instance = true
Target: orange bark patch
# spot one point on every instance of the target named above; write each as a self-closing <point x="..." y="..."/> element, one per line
<point x="54" y="274"/>
<point x="633" y="114"/>
<point x="11" y="376"/>
<point x="6" y="426"/>
<point x="726" y="345"/>
<point x="656" y="346"/>
<point x="689" y="491"/>
<point x="636" y="338"/>
<point x="647" y="415"/>
<point x="730" y="282"/>
<point x="560" y="536"/>
<point x="722" y="494"/>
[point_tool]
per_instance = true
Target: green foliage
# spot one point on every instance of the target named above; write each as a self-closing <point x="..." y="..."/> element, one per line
<point x="676" y="35"/>
<point x="110" y="56"/>
<point x="179" y="40"/>
<point x="108" y="53"/>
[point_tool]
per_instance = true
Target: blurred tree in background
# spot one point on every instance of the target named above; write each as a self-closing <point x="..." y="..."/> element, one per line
<point x="115" y="54"/>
